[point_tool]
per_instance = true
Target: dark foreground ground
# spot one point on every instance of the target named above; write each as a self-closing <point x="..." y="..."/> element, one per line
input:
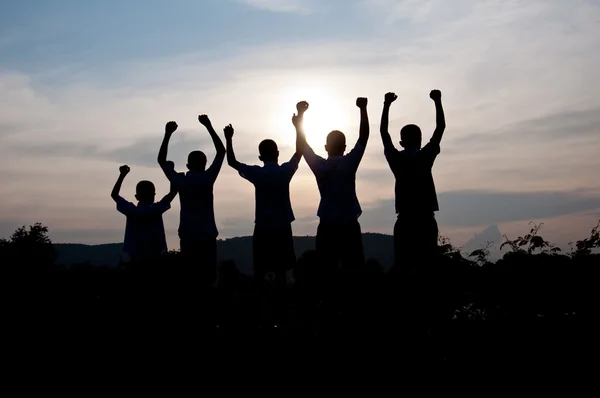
<point x="453" y="318"/>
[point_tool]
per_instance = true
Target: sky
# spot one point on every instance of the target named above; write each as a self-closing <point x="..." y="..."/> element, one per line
<point x="88" y="86"/>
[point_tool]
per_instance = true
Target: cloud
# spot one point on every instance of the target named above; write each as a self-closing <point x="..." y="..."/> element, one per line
<point x="471" y="208"/>
<point x="300" y="6"/>
<point x="564" y="126"/>
<point x="482" y="208"/>
<point x="142" y="151"/>
<point x="491" y="234"/>
<point x="410" y="11"/>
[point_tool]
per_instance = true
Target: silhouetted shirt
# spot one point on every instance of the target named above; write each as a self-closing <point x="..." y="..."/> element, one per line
<point x="272" y="192"/>
<point x="415" y="190"/>
<point x="336" y="179"/>
<point x="144" y="230"/>
<point x="197" y="215"/>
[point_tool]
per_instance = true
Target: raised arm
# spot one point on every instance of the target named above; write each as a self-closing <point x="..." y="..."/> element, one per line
<point x="313" y="160"/>
<point x="220" y="148"/>
<point x="172" y="193"/>
<point x="170" y="128"/>
<point x="363" y="135"/>
<point x="231" y="160"/>
<point x="385" y="119"/>
<point x="115" y="194"/>
<point x="297" y="120"/>
<point x="440" y="120"/>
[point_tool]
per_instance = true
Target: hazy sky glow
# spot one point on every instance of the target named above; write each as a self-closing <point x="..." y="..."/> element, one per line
<point x="88" y="86"/>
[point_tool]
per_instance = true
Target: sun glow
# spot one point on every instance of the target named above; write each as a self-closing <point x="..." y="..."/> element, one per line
<point x="326" y="112"/>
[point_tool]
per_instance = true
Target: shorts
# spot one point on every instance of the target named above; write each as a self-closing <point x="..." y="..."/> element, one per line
<point x="340" y="244"/>
<point x="273" y="249"/>
<point x="199" y="259"/>
<point x="415" y="237"/>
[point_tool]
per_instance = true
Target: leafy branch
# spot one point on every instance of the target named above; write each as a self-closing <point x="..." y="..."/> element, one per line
<point x="585" y="246"/>
<point x="480" y="256"/>
<point x="530" y="242"/>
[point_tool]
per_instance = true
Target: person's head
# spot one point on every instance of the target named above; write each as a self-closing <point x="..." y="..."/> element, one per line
<point x="196" y="161"/>
<point x="410" y="137"/>
<point x="268" y="151"/>
<point x="336" y="143"/>
<point x="145" y="191"/>
<point x="170" y="165"/>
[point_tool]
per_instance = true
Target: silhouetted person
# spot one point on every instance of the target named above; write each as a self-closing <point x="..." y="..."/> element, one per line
<point x="229" y="276"/>
<point x="416" y="230"/>
<point x="339" y="237"/>
<point x="171" y="165"/>
<point x="272" y="241"/>
<point x="197" y="228"/>
<point x="144" y="232"/>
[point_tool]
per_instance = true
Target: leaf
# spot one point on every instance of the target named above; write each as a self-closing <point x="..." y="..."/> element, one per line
<point x="476" y="253"/>
<point x="538" y="241"/>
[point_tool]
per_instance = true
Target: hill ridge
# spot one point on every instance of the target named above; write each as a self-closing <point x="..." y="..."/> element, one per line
<point x="238" y="249"/>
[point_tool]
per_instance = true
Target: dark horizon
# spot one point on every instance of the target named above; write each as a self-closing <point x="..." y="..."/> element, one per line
<point x="117" y="91"/>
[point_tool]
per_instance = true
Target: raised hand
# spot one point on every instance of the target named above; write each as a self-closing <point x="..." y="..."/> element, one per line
<point x="204" y="120"/>
<point x="124" y="170"/>
<point x="301" y="107"/>
<point x="296" y="120"/>
<point x="435" y="95"/>
<point x="170" y="127"/>
<point x="361" y="102"/>
<point x="389" y="98"/>
<point x="228" y="130"/>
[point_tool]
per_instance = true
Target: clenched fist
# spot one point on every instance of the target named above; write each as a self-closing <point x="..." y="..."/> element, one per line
<point x="204" y="120"/>
<point x="389" y="98"/>
<point x="301" y="107"/>
<point x="228" y="130"/>
<point x="361" y="102"/>
<point x="170" y="127"/>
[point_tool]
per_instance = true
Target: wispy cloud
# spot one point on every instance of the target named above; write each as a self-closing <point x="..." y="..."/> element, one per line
<point x="477" y="208"/>
<point x="300" y="6"/>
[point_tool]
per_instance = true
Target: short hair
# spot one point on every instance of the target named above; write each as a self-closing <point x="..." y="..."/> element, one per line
<point x="196" y="160"/>
<point x="268" y="149"/>
<point x="411" y="134"/>
<point x="145" y="188"/>
<point x="336" y="139"/>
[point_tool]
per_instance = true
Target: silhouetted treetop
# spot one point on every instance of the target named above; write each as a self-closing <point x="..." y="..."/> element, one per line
<point x="30" y="246"/>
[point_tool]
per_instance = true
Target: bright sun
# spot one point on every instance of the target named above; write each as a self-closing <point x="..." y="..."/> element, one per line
<point x="326" y="112"/>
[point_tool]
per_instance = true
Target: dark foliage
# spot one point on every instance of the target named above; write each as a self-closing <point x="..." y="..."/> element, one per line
<point x="453" y="311"/>
<point x="32" y="248"/>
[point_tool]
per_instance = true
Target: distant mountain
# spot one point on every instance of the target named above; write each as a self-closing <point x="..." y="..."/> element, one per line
<point x="73" y="253"/>
<point x="479" y="240"/>
<point x="377" y="246"/>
